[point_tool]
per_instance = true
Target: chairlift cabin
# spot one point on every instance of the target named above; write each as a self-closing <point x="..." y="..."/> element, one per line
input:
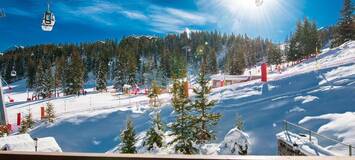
<point x="48" y="20"/>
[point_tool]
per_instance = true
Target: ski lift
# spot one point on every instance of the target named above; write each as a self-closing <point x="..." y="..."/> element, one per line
<point x="258" y="3"/>
<point x="48" y="20"/>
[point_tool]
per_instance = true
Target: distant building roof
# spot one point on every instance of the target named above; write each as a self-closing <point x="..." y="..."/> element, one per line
<point x="24" y="142"/>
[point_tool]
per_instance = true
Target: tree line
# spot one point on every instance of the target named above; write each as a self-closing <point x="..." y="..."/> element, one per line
<point x="51" y="68"/>
<point x="308" y="39"/>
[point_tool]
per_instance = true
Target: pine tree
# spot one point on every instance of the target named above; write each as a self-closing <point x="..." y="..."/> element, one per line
<point x="274" y="55"/>
<point x="236" y="61"/>
<point x="298" y="48"/>
<point x="155" y="134"/>
<point x="44" y="81"/>
<point x="212" y="61"/>
<point x="101" y="81"/>
<point x="345" y="29"/>
<point x="29" y="120"/>
<point x="74" y="74"/>
<point x="120" y="75"/>
<point x="50" y="114"/>
<point x="39" y="80"/>
<point x="59" y="71"/>
<point x="306" y="38"/>
<point x="128" y="139"/>
<point x="315" y="38"/>
<point x="27" y="123"/>
<point x="24" y="127"/>
<point x="292" y="50"/>
<point x="182" y="126"/>
<point x="31" y="74"/>
<point x="178" y="67"/>
<point x="48" y="83"/>
<point x="153" y="94"/>
<point x="204" y="118"/>
<point x="304" y="42"/>
<point x="132" y="69"/>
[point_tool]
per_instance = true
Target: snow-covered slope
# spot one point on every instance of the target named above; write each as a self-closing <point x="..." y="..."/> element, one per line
<point x="318" y="86"/>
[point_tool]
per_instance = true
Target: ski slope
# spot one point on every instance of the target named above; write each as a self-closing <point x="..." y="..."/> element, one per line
<point x="317" y="93"/>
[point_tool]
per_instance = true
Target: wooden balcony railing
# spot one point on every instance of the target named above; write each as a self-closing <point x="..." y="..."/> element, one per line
<point x="9" y="155"/>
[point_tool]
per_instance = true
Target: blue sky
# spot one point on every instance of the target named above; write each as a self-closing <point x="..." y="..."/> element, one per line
<point x="91" y="20"/>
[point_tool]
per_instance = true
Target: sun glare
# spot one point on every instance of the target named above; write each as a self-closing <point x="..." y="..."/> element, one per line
<point x="260" y="16"/>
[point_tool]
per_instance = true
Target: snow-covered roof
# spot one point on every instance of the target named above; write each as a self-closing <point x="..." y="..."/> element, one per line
<point x="24" y="142"/>
<point x="303" y="144"/>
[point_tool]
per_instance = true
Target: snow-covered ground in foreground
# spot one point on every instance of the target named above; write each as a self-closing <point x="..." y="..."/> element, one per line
<point x="92" y="123"/>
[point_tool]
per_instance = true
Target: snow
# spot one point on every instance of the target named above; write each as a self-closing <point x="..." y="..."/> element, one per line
<point x="297" y="109"/>
<point x="48" y="144"/>
<point x="338" y="73"/>
<point x="92" y="123"/>
<point x="233" y="141"/>
<point x="24" y="142"/>
<point x="340" y="126"/>
<point x="306" y="99"/>
<point x="301" y="142"/>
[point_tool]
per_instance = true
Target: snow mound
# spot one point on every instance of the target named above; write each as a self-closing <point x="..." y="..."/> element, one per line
<point x="234" y="142"/>
<point x="339" y="72"/>
<point x="297" y="109"/>
<point x="306" y="99"/>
